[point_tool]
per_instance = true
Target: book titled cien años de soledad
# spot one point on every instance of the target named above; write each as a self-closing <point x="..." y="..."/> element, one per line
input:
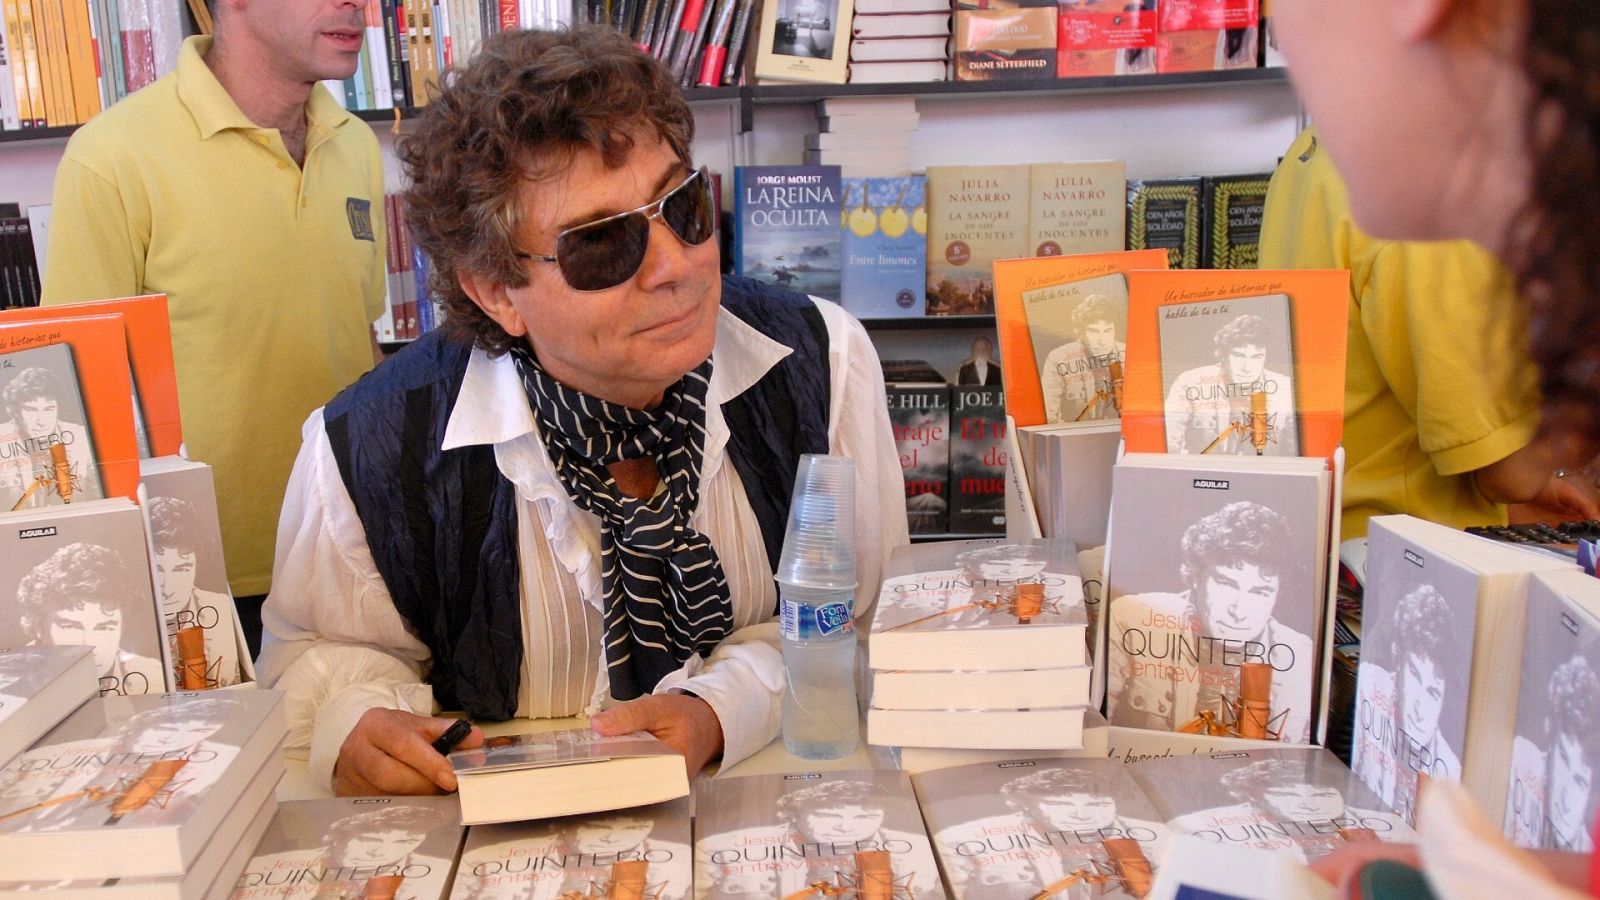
<point x="1218" y="573"/>
<point x="1027" y="828"/>
<point x="402" y="848"/>
<point x="812" y="834"/>
<point x="642" y="852"/>
<point x="1436" y="688"/>
<point x="562" y="773"/>
<point x="1245" y="363"/>
<point x="131" y="787"/>
<point x="39" y="686"/>
<point x="1299" y="801"/>
<point x="79" y="575"/>
<point x="1555" y="756"/>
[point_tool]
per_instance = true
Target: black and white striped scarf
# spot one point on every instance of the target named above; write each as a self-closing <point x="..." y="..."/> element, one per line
<point x="666" y="597"/>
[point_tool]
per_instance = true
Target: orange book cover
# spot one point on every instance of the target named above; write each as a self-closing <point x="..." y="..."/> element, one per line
<point x="30" y="61"/>
<point x="1012" y="277"/>
<point x="81" y="66"/>
<point x="1235" y="362"/>
<point x="96" y="349"/>
<point x="149" y="342"/>
<point x="12" y="10"/>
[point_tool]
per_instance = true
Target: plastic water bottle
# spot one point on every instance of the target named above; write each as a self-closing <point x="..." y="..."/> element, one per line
<point x="816" y="591"/>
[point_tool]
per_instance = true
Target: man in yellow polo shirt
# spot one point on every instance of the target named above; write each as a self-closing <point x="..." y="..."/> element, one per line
<point x="1442" y="401"/>
<point x="240" y="189"/>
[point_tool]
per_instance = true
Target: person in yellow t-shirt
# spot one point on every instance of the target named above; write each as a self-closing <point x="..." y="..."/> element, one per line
<point x="1442" y="402"/>
<point x="238" y="187"/>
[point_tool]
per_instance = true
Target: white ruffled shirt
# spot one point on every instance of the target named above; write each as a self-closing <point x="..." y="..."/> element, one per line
<point x="335" y="643"/>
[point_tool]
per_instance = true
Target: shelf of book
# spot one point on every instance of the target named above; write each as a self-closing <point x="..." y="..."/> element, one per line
<point x="930" y="538"/>
<point x="929" y="323"/>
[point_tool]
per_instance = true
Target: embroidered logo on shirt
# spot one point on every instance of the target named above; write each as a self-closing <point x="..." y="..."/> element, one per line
<point x="360" y="213"/>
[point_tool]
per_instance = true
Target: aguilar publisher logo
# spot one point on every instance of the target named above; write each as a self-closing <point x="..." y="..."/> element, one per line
<point x="1414" y="558"/>
<point x="359" y="212"/>
<point x="47" y="531"/>
<point x="1212" y="484"/>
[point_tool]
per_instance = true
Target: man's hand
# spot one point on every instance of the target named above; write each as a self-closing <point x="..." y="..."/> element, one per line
<point x="389" y="752"/>
<point x="685" y="723"/>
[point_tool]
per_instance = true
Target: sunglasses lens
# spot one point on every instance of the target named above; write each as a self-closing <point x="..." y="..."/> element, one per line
<point x="688" y="210"/>
<point x="605" y="254"/>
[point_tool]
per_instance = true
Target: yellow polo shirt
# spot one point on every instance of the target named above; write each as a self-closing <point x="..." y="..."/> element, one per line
<point x="273" y="273"/>
<point x="1439" y="382"/>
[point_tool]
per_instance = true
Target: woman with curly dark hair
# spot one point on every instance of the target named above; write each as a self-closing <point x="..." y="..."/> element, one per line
<point x="1473" y="119"/>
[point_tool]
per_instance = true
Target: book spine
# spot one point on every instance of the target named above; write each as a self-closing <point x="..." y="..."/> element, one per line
<point x="394" y="37"/>
<point x="647" y="25"/>
<point x="138" y="54"/>
<point x="62" y="109"/>
<point x="100" y="52"/>
<point x="510" y="15"/>
<point x="375" y="47"/>
<point x="743" y="21"/>
<point x="32" y="76"/>
<point x="11" y="114"/>
<point x="716" y="55"/>
<point x="664" y="47"/>
<point x="113" y="41"/>
<point x="690" y="26"/>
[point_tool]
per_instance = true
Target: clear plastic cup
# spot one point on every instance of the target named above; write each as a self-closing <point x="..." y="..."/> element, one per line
<point x="819" y="548"/>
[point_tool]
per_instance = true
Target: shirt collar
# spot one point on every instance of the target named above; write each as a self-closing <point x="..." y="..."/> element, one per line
<point x="492" y="406"/>
<point x="214" y="109"/>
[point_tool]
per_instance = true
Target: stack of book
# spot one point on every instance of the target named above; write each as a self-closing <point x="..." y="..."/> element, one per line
<point x="980" y="644"/>
<point x="899" y="41"/>
<point x="867" y="137"/>
<point x="40" y="686"/>
<point x="19" y="264"/>
<point x="877" y="57"/>
<point x="143" y="797"/>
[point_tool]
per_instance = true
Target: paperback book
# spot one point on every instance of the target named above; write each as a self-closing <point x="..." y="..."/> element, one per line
<point x="984" y="605"/>
<point x="976" y="215"/>
<point x="80" y="576"/>
<point x="1220" y="637"/>
<point x="1013" y="41"/>
<point x="919" y="415"/>
<point x="1077" y="330"/>
<point x="1552" y="796"/>
<point x="394" y="847"/>
<point x="1071" y="480"/>
<point x="1235" y="363"/>
<point x="1207" y="35"/>
<point x="560" y="773"/>
<point x="134" y="786"/>
<point x="788" y="230"/>
<point x="885" y="247"/>
<point x="39" y="686"/>
<point x="856" y="833"/>
<point x="1440" y="668"/>
<point x="1235" y="206"/>
<point x="977" y="460"/>
<point x="1096" y="38"/>
<point x="1077" y="207"/>
<point x="642" y="852"/>
<point x="1026" y="730"/>
<point x="804" y="40"/>
<point x="1042" y="827"/>
<point x="1168" y="214"/>
<point x="1016" y="277"/>
<point x="1301" y="801"/>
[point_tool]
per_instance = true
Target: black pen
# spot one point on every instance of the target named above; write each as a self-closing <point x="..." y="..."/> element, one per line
<point x="452" y="737"/>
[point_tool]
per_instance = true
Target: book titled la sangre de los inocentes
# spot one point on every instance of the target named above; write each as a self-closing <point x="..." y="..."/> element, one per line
<point x="850" y="833"/>
<point x="398" y="847"/>
<point x="1024" y="828"/>
<point x="134" y="786"/>
<point x="640" y="852"/>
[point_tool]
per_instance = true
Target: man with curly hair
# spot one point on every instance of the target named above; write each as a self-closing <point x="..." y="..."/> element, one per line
<point x="1204" y="402"/>
<point x="1175" y="656"/>
<point x="1398" y="711"/>
<point x="1554" y="798"/>
<point x="571" y="498"/>
<point x="1076" y="376"/>
<point x="31" y="401"/>
<point x="84" y="594"/>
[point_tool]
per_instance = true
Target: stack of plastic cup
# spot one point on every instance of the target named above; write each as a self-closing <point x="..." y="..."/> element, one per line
<point x="817" y="588"/>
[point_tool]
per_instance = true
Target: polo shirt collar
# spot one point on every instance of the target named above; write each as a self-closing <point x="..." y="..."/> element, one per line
<point x="492" y="405"/>
<point x="214" y="109"/>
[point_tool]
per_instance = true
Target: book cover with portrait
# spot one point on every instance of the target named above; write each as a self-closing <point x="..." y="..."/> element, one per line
<point x="191" y="578"/>
<point x="47" y="453"/>
<point x="858" y="833"/>
<point x="600" y="855"/>
<point x="1298" y="801"/>
<point x="134" y="786"/>
<point x="403" y="848"/>
<point x="1015" y="277"/>
<point x="1025" y="828"/>
<point x="1436" y="686"/>
<point x="788" y="230"/>
<point x="885" y="247"/>
<point x="980" y="604"/>
<point x="1235" y="362"/>
<point x="80" y="575"/>
<point x="67" y="432"/>
<point x="1553" y="796"/>
<point x="1227" y="371"/>
<point x="1078" y="331"/>
<point x="976" y="215"/>
<point x="1215" y="594"/>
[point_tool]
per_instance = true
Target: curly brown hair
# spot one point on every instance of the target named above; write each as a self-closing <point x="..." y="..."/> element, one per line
<point x="512" y="115"/>
<point x="1559" y="259"/>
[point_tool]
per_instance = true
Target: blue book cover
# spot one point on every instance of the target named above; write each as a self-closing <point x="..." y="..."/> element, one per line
<point x="788" y="227"/>
<point x="885" y="247"/>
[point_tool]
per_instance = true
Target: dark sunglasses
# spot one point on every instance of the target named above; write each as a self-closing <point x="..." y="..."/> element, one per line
<point x="607" y="252"/>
